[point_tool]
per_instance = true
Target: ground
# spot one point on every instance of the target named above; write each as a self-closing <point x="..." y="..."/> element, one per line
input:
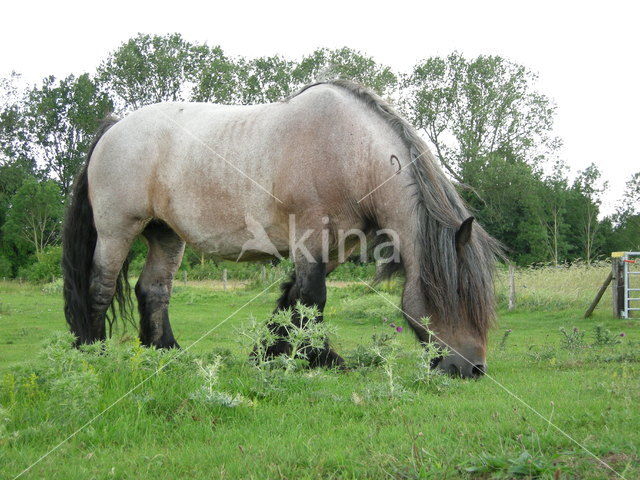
<point x="551" y="401"/>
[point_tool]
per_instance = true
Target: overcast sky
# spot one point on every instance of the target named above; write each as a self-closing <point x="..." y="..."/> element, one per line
<point x="586" y="54"/>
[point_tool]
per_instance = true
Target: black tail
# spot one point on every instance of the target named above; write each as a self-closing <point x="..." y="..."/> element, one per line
<point x="78" y="246"/>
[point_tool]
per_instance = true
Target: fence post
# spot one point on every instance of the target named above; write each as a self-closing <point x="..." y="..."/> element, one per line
<point x="263" y="273"/>
<point x="617" y="272"/>
<point x="184" y="277"/>
<point x="224" y="279"/>
<point x="512" y="286"/>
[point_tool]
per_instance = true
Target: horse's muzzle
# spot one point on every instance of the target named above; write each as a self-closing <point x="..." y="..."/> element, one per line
<point x="457" y="366"/>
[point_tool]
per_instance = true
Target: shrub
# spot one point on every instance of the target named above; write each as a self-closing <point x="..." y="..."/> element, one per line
<point x="5" y="267"/>
<point x="45" y="268"/>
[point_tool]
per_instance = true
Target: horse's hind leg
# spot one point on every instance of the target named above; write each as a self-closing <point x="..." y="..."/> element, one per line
<point x="308" y="286"/>
<point x="108" y="257"/>
<point x="153" y="289"/>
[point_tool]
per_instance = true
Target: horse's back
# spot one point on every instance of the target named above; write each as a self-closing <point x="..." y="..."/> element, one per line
<point x="205" y="168"/>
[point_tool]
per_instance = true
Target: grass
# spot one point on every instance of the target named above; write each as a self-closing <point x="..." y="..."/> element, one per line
<point x="209" y="413"/>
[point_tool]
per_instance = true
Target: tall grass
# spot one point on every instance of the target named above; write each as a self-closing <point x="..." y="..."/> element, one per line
<point x="555" y="288"/>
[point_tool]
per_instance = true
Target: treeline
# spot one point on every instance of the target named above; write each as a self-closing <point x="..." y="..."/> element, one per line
<point x="486" y="122"/>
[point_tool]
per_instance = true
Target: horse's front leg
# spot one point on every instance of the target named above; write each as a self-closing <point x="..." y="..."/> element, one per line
<point x="153" y="289"/>
<point x="307" y="286"/>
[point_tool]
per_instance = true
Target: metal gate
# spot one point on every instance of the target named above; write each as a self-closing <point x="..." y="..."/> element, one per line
<point x="631" y="273"/>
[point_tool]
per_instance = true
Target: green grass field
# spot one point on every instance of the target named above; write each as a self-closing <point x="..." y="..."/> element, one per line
<point x="384" y="420"/>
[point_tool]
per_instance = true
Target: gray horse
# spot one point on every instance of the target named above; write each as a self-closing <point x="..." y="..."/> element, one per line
<point x="334" y="157"/>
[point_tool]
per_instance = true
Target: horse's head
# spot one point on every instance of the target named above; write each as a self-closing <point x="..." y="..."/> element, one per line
<point x="460" y="325"/>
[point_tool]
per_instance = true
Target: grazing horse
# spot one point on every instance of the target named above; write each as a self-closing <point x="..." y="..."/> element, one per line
<point x="334" y="157"/>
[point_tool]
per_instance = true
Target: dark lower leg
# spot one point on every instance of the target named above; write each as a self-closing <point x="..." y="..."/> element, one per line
<point x="307" y="286"/>
<point x="153" y="305"/>
<point x="101" y="290"/>
<point x="153" y="289"/>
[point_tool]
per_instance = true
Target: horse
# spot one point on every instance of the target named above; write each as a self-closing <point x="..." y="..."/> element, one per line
<point x="334" y="156"/>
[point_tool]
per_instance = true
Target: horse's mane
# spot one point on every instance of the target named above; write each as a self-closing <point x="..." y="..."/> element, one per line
<point x="441" y="210"/>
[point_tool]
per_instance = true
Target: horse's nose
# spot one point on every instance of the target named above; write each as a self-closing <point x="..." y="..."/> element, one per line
<point x="458" y="366"/>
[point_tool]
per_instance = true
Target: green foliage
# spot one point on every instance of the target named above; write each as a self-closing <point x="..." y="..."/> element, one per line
<point x="301" y="329"/>
<point x="5" y="267"/>
<point x="34" y="218"/>
<point x="344" y="62"/>
<point x="155" y="68"/>
<point x="471" y="108"/>
<point x="573" y="338"/>
<point x="265" y="79"/>
<point x="45" y="268"/>
<point x="492" y="131"/>
<point x="62" y="116"/>
<point x="602" y="336"/>
<point x="485" y="119"/>
<point x="524" y="465"/>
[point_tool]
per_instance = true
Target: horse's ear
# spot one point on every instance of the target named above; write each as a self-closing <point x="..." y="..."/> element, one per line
<point x="463" y="235"/>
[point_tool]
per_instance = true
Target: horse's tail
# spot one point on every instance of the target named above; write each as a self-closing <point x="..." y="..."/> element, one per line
<point x="78" y="245"/>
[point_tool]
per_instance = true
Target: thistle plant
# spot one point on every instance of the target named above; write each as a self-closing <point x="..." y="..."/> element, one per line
<point x="299" y="327"/>
<point x="431" y="352"/>
<point x="208" y="393"/>
<point x="573" y="339"/>
<point x="604" y="337"/>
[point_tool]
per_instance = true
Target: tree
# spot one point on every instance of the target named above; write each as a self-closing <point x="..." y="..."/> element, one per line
<point x="326" y="64"/>
<point x="587" y="190"/>
<point x="152" y="68"/>
<point x="216" y="78"/>
<point x="508" y="206"/>
<point x="33" y="221"/>
<point x="15" y="163"/>
<point x="265" y="79"/>
<point x="62" y="117"/>
<point x="554" y="204"/>
<point x="630" y="203"/>
<point x="624" y="232"/>
<point x="472" y="109"/>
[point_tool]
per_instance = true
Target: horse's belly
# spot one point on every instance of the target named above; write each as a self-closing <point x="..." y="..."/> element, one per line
<point x="233" y="237"/>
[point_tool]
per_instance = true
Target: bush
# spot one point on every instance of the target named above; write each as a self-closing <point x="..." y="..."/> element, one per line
<point x="352" y="271"/>
<point x="5" y="267"/>
<point x="45" y="268"/>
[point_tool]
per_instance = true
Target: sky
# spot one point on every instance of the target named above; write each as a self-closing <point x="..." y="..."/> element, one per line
<point x="585" y="53"/>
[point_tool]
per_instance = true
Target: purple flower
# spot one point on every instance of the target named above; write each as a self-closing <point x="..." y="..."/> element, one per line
<point x="398" y="329"/>
<point x="622" y="334"/>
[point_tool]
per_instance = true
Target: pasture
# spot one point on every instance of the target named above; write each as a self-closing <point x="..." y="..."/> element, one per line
<point x="207" y="412"/>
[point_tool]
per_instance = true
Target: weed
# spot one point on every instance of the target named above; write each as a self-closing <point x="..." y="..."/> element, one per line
<point x="503" y="340"/>
<point x="524" y="465"/>
<point x="603" y="337"/>
<point x="573" y="339"/>
<point x="299" y="327"/>
<point x="367" y="355"/>
<point x="207" y="392"/>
